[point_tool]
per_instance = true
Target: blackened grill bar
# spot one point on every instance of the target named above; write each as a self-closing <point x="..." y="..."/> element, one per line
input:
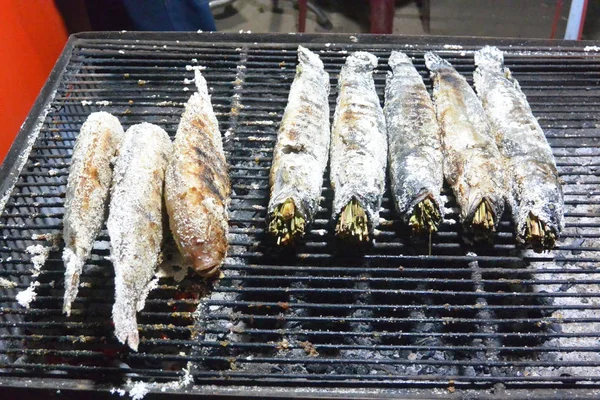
<point x="318" y="321"/>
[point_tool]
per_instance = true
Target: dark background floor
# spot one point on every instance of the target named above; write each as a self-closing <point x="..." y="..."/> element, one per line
<point x="499" y="18"/>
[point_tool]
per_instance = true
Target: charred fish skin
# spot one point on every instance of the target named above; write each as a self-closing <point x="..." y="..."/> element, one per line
<point x="473" y="165"/>
<point x="86" y="198"/>
<point x="135" y="224"/>
<point x="535" y="193"/>
<point x="358" y="149"/>
<point x="197" y="186"/>
<point x="301" y="151"/>
<point x="415" y="152"/>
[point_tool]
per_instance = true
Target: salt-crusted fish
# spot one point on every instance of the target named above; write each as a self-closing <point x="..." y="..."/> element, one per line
<point x="473" y="165"/>
<point x="358" y="150"/>
<point x="535" y="193"/>
<point x="86" y="197"/>
<point x="197" y="187"/>
<point x="135" y="223"/>
<point x="415" y="150"/>
<point x="300" y="154"/>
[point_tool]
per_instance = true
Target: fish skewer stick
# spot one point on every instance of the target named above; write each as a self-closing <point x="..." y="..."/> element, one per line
<point x="473" y="165"/>
<point x="135" y="224"/>
<point x="415" y="150"/>
<point x="87" y="193"/>
<point x="358" y="150"/>
<point x="300" y="154"/>
<point x="535" y="193"/>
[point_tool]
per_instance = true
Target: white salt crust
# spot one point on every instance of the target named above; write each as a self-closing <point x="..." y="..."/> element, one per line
<point x="87" y="192"/>
<point x="6" y="284"/>
<point x="414" y="138"/>
<point x="139" y="390"/>
<point x="25" y="297"/>
<point x="302" y="148"/>
<point x="473" y="165"/>
<point x="534" y="185"/>
<point x="198" y="149"/>
<point x="135" y="223"/>
<point x="358" y="140"/>
<point x="39" y="255"/>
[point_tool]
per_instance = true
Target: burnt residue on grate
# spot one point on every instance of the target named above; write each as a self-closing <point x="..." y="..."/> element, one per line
<point x="320" y="314"/>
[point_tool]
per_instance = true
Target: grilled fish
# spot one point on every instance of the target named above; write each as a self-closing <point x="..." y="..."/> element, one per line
<point x="415" y="150"/>
<point x="535" y="193"/>
<point x="300" y="154"/>
<point x="86" y="196"/>
<point x="197" y="186"/>
<point x="135" y="223"/>
<point x="358" y="150"/>
<point x="473" y="165"/>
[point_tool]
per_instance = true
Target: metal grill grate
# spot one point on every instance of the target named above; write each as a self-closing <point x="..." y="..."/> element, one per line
<point x="323" y="316"/>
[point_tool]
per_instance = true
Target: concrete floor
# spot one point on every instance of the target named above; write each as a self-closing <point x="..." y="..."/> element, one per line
<point x="494" y="18"/>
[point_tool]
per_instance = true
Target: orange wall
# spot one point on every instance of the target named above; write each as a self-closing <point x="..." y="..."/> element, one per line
<point x="32" y="35"/>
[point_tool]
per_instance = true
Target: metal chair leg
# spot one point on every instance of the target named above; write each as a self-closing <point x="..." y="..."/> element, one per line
<point x="302" y="7"/>
<point x="576" y="19"/>
<point x="322" y="18"/>
<point x="382" y="16"/>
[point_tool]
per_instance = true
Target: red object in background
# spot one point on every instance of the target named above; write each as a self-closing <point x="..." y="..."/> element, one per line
<point x="382" y="16"/>
<point x="583" y="14"/>
<point x="557" y="13"/>
<point x="302" y="8"/>
<point x="33" y="35"/>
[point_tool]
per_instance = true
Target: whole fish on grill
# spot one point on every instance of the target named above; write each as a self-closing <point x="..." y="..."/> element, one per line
<point x="135" y="223"/>
<point x="86" y="197"/>
<point x="197" y="186"/>
<point x="300" y="154"/>
<point x="473" y="165"/>
<point x="358" y="150"/>
<point x="415" y="150"/>
<point x="535" y="193"/>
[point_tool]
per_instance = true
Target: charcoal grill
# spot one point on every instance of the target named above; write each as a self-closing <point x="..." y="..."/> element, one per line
<point x="484" y="322"/>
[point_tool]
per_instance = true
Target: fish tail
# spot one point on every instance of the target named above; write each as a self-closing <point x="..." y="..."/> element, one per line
<point x="124" y="319"/>
<point x="73" y="268"/>
<point x="435" y="62"/>
<point x="489" y="57"/>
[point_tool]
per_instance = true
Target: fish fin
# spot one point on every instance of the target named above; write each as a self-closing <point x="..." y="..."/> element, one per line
<point x="489" y="57"/>
<point x="153" y="284"/>
<point x="201" y="85"/>
<point x="361" y="61"/>
<point x="508" y="75"/>
<point x="435" y="62"/>
<point x="398" y="58"/>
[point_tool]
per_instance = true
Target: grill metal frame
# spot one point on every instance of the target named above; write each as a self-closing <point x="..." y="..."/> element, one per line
<point x="284" y="294"/>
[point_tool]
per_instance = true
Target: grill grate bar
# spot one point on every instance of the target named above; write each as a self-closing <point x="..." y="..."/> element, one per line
<point x="269" y="345"/>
